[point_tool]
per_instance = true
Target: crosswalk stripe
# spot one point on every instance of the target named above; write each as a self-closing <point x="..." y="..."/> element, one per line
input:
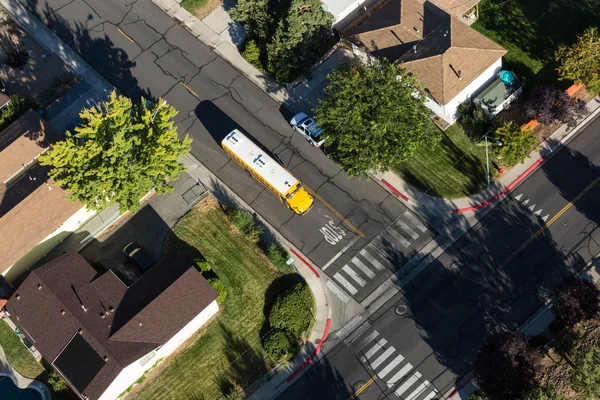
<point x="409" y="382"/>
<point x="360" y="265"/>
<point x="388" y="368"/>
<point x="354" y="275"/>
<point x="337" y="291"/>
<point x="378" y="249"/>
<point x="414" y="235"/>
<point x="347" y="285"/>
<point x="418" y="391"/>
<point x="431" y="395"/>
<point x="416" y="222"/>
<point x="376" y="347"/>
<point x="368" y="339"/>
<point x="371" y="259"/>
<point x="358" y="332"/>
<point x="399" y="375"/>
<point x="383" y="357"/>
<point x="398" y="237"/>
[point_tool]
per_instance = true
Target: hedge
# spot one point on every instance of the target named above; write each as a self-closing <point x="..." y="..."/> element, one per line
<point x="278" y="345"/>
<point x="293" y="310"/>
<point x="219" y="287"/>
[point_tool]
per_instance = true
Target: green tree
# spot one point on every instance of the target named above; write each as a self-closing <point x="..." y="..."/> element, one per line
<point x="375" y="116"/>
<point x="293" y="310"/>
<point x="579" y="62"/>
<point x="255" y="15"/>
<point x="586" y="376"/>
<point x="119" y="153"/>
<point x="516" y="144"/>
<point x="55" y="381"/>
<point x="541" y="394"/>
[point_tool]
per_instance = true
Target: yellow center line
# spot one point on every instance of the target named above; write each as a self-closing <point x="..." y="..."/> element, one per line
<point x="124" y="34"/>
<point x="363" y="387"/>
<point x="340" y="216"/>
<point x="552" y="220"/>
<point x="190" y="90"/>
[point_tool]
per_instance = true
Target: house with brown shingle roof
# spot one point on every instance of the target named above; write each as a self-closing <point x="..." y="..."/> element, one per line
<point x="34" y="215"/>
<point x="452" y="60"/>
<point x="101" y="335"/>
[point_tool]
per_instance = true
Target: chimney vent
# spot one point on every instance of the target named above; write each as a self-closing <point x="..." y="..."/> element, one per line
<point x="39" y="286"/>
<point x="80" y="331"/>
<point x="62" y="312"/>
<point x="459" y="75"/>
<point x="83" y="308"/>
<point x="415" y="48"/>
<point x="102" y="315"/>
<point x="105" y="358"/>
<point x="18" y="296"/>
<point x="111" y="309"/>
<point x="141" y="324"/>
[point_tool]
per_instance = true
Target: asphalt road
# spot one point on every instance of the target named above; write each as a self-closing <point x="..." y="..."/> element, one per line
<point x="495" y="277"/>
<point x="142" y="51"/>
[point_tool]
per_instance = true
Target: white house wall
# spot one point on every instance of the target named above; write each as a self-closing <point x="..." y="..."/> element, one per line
<point x="48" y="243"/>
<point x="132" y="372"/>
<point x="449" y="111"/>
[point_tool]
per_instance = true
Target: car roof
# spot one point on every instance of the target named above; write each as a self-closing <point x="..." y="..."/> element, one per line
<point x="312" y="127"/>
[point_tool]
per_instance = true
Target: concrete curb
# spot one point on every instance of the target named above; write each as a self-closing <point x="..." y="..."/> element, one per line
<point x="299" y="365"/>
<point x="223" y="48"/>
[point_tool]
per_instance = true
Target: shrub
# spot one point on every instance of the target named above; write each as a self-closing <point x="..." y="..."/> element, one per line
<point x="279" y="256"/>
<point x="576" y="301"/>
<point x="278" y="345"/>
<point x="476" y="118"/>
<point x="506" y="366"/>
<point x="252" y="54"/>
<point x="57" y="383"/>
<point x="476" y="395"/>
<point x="18" y="106"/>
<point x="586" y="376"/>
<point x="549" y="104"/>
<point x="244" y="221"/>
<point x="16" y="58"/>
<point x="219" y="287"/>
<point x="516" y="144"/>
<point x="293" y="310"/>
<point x="203" y="265"/>
<point x="542" y="394"/>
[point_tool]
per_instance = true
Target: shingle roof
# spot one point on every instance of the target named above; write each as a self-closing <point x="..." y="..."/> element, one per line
<point x="430" y="43"/>
<point x="165" y="299"/>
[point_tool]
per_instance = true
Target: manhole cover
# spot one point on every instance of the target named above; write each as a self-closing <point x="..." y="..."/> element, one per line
<point x="401" y="309"/>
<point x="565" y="223"/>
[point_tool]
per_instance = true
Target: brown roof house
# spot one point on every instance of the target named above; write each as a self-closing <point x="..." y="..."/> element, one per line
<point x="101" y="335"/>
<point x="34" y="215"/>
<point x="452" y="60"/>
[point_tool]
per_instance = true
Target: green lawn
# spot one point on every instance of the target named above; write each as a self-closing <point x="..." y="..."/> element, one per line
<point x="17" y="355"/>
<point x="532" y="30"/>
<point x="454" y="168"/>
<point x="230" y="349"/>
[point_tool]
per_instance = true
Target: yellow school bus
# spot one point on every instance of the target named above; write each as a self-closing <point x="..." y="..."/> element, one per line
<point x="267" y="171"/>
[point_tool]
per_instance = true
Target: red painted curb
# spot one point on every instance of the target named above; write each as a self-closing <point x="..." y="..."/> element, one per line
<point x="394" y="190"/>
<point x="313" y="355"/>
<point x="305" y="262"/>
<point x="503" y="192"/>
<point x="461" y="385"/>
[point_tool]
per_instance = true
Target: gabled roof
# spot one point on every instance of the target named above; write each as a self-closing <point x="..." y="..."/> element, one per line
<point x="430" y="43"/>
<point x="67" y="297"/>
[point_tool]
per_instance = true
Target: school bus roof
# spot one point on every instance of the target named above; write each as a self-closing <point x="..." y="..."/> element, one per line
<point x="260" y="162"/>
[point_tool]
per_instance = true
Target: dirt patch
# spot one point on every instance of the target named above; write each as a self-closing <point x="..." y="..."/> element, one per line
<point x="210" y="6"/>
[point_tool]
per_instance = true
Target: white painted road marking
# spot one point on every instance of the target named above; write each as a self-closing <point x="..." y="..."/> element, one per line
<point x="378" y="346"/>
<point x="337" y="291"/>
<point x="383" y="357"/>
<point x="399" y="375"/>
<point x="414" y="235"/>
<point x="519" y="197"/>
<point x="359" y="264"/>
<point x="525" y="202"/>
<point x="371" y="259"/>
<point x="416" y="222"/>
<point x="538" y="212"/>
<point x="409" y="382"/>
<point x="346" y="247"/>
<point x="354" y="275"/>
<point x="431" y="395"/>
<point x="418" y="391"/>
<point x="531" y="208"/>
<point x="399" y="237"/>
<point x="388" y="368"/>
<point x="347" y="285"/>
<point x="545" y="217"/>
<point x="368" y="339"/>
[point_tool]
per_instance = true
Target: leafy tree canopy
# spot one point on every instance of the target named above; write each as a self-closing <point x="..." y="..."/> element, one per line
<point x="118" y="154"/>
<point x="505" y="366"/>
<point x="586" y="376"/>
<point x="516" y="144"/>
<point x="576" y="301"/>
<point x="375" y="116"/>
<point x="549" y="104"/>
<point x="541" y="394"/>
<point x="579" y="62"/>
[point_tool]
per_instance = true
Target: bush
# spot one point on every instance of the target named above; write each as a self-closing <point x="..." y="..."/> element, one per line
<point x="516" y="144"/>
<point x="279" y="256"/>
<point x="244" y="221"/>
<point x="16" y="58"/>
<point x="55" y="381"/>
<point x="18" y="106"/>
<point x="476" y="395"/>
<point x="576" y="301"/>
<point x="203" y="265"/>
<point x="278" y="345"/>
<point x="293" y="310"/>
<point x="506" y="366"/>
<point x="219" y="287"/>
<point x="542" y="394"/>
<point x="586" y="376"/>
<point x="476" y="118"/>
<point x="549" y="104"/>
<point x="252" y="54"/>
